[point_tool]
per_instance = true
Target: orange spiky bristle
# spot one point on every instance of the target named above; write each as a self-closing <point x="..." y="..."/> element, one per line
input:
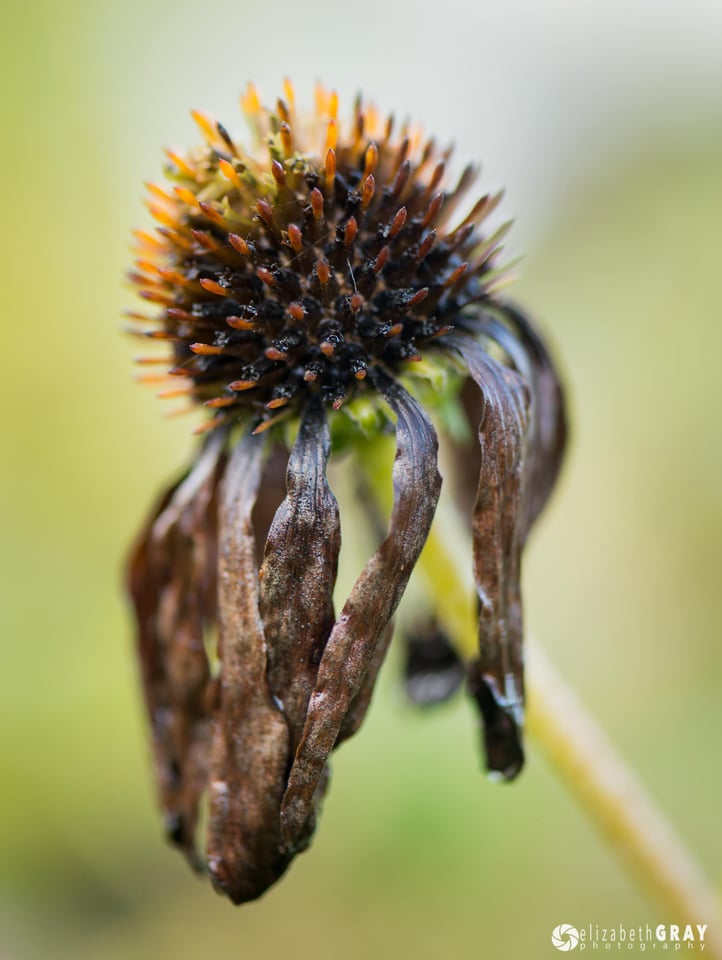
<point x="299" y="266"/>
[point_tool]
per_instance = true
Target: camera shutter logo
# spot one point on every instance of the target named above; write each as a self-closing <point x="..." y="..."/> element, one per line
<point x="565" y="936"/>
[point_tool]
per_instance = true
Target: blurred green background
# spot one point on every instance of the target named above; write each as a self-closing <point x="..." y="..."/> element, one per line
<point x="605" y="122"/>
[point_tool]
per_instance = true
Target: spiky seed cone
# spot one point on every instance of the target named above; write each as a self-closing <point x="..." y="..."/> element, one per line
<point x="294" y="268"/>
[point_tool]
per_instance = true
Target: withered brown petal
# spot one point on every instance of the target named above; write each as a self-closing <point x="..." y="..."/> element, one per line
<point x="498" y="532"/>
<point x="299" y="572"/>
<point x="375" y="595"/>
<point x="271" y="494"/>
<point x="172" y="583"/>
<point x="250" y="745"/>
<point x="360" y="703"/>
<point x="548" y="428"/>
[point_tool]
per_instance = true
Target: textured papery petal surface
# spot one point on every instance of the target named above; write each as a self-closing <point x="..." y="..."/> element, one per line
<point x="299" y="573"/>
<point x="250" y="748"/>
<point x="360" y="703"/>
<point x="172" y="581"/>
<point x="371" y="603"/>
<point x="548" y="430"/>
<point x="498" y="531"/>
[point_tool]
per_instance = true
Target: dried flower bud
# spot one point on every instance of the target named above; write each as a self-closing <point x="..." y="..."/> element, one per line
<point x="296" y="282"/>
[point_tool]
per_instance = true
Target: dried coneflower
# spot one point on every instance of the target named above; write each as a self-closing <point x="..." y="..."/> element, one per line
<point x="298" y="284"/>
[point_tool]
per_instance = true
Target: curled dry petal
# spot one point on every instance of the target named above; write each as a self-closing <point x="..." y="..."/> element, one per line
<point x="172" y="568"/>
<point x="299" y="573"/>
<point x="522" y="343"/>
<point x="360" y="703"/>
<point x="271" y="494"/>
<point x="375" y="595"/>
<point x="548" y="429"/>
<point x="250" y="747"/>
<point x="528" y="434"/>
<point x="498" y="534"/>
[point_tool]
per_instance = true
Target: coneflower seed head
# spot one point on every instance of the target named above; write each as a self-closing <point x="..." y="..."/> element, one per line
<point x="297" y="267"/>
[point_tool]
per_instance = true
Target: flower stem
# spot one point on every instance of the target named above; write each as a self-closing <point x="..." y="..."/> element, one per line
<point x="613" y="797"/>
<point x="589" y="765"/>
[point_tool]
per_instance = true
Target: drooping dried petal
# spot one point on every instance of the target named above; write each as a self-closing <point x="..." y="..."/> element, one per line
<point x="523" y="344"/>
<point x="172" y="580"/>
<point x="498" y="531"/>
<point x="548" y="428"/>
<point x="375" y="595"/>
<point x="271" y="494"/>
<point x="250" y="748"/>
<point x="360" y="703"/>
<point x="299" y="572"/>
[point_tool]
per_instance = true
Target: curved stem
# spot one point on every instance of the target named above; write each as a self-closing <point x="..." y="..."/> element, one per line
<point x="590" y="767"/>
<point x="614" y="798"/>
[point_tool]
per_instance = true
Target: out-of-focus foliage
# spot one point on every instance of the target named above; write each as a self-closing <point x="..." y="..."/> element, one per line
<point x="417" y="853"/>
